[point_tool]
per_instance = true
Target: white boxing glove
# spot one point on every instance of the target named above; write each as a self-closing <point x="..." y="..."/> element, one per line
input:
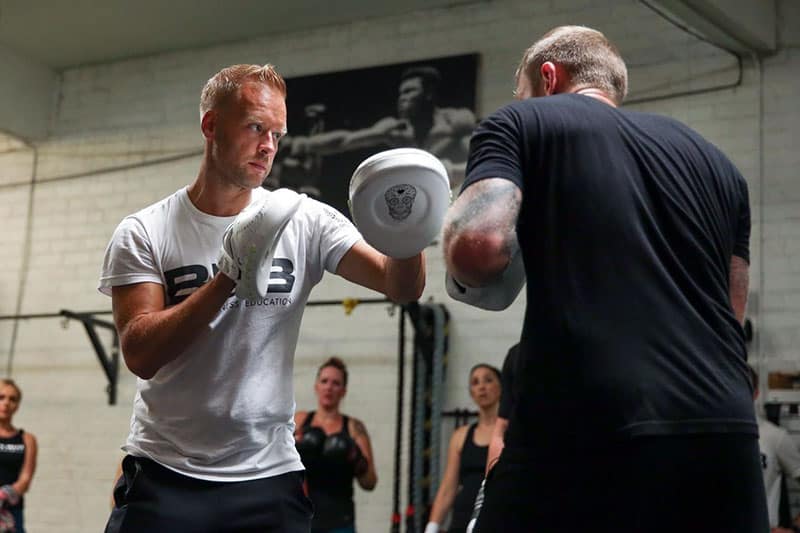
<point x="249" y="242"/>
<point x="496" y="296"/>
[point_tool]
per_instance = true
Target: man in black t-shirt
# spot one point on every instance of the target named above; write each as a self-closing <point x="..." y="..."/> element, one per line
<point x="634" y="409"/>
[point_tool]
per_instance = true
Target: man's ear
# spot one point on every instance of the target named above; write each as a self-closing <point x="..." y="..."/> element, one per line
<point x="550" y="77"/>
<point x="208" y="122"/>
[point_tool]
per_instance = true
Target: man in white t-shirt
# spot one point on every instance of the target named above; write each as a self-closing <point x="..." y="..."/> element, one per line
<point x="211" y="446"/>
<point x="779" y="457"/>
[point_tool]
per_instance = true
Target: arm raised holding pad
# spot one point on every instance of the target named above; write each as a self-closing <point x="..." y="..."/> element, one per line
<point x="496" y="295"/>
<point x="484" y="262"/>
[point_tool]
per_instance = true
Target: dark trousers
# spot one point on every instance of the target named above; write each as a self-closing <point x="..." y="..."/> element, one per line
<point x="664" y="484"/>
<point x="151" y="498"/>
<point x="19" y="522"/>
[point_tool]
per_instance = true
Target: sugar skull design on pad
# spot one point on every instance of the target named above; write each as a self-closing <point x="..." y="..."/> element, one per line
<point x="400" y="200"/>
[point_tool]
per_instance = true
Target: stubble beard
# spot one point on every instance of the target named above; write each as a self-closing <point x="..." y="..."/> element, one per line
<point x="240" y="174"/>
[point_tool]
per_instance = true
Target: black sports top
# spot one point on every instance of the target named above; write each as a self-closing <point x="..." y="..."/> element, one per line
<point x="12" y="456"/>
<point x="330" y="486"/>
<point x="470" y="474"/>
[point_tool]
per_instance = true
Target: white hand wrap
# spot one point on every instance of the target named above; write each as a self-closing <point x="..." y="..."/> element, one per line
<point x="432" y="527"/>
<point x="249" y="242"/>
<point x="8" y="495"/>
<point x="495" y="296"/>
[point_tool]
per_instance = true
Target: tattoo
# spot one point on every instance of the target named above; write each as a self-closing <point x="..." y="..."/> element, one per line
<point x="358" y="428"/>
<point x="493" y="201"/>
<point x="490" y="205"/>
<point x="738" y="286"/>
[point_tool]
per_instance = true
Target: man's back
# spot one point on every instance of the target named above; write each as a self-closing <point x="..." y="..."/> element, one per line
<point x="627" y="227"/>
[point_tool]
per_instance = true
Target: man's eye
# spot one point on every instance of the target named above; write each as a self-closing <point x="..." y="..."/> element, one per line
<point x="256" y="127"/>
<point x="278" y="135"/>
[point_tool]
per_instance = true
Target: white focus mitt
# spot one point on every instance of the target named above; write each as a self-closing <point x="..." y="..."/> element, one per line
<point x="398" y="199"/>
<point x="249" y="242"/>
<point x="498" y="294"/>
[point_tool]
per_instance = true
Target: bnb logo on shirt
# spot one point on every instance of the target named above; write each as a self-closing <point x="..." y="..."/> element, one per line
<point x="183" y="281"/>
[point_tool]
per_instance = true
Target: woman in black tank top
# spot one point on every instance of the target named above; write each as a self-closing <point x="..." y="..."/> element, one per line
<point x="466" y="455"/>
<point x="335" y="448"/>
<point x="17" y="458"/>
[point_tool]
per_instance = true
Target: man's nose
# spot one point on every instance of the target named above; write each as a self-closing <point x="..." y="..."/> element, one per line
<point x="268" y="144"/>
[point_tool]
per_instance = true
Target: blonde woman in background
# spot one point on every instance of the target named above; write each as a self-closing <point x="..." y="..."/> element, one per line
<point x="17" y="459"/>
<point x="335" y="449"/>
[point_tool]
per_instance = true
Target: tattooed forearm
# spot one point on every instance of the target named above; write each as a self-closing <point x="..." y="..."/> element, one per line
<point x="488" y="205"/>
<point x="739" y="286"/>
<point x="480" y="231"/>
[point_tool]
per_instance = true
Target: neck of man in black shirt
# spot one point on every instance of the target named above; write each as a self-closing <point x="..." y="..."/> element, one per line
<point x="554" y="79"/>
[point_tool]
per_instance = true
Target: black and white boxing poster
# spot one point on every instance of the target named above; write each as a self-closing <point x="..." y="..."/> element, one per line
<point x="336" y="120"/>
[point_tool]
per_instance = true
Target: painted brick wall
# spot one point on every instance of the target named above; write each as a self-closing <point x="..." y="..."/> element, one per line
<point x="130" y="114"/>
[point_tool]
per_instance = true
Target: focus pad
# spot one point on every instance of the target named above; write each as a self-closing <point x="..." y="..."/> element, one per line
<point x="398" y="199"/>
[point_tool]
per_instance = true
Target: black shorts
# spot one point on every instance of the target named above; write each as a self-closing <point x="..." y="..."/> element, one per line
<point x="665" y="484"/>
<point x="149" y="497"/>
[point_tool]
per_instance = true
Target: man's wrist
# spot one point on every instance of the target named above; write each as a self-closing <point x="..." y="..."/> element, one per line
<point x="225" y="281"/>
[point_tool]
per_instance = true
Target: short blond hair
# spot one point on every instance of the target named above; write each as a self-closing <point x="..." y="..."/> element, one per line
<point x="11" y="383"/>
<point x="229" y="80"/>
<point x="587" y="55"/>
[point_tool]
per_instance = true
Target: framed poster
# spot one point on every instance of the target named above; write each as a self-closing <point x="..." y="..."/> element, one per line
<point x="337" y="120"/>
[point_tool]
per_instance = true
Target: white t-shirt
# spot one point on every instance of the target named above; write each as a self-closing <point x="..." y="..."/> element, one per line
<point x="223" y="410"/>
<point x="779" y="456"/>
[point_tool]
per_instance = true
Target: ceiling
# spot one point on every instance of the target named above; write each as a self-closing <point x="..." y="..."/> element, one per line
<point x="41" y="38"/>
<point x="60" y="34"/>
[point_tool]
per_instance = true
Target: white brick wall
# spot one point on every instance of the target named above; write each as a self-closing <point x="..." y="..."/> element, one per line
<point x="123" y="114"/>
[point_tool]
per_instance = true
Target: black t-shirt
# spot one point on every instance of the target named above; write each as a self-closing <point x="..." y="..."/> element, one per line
<point x="627" y="227"/>
<point x="507" y="381"/>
